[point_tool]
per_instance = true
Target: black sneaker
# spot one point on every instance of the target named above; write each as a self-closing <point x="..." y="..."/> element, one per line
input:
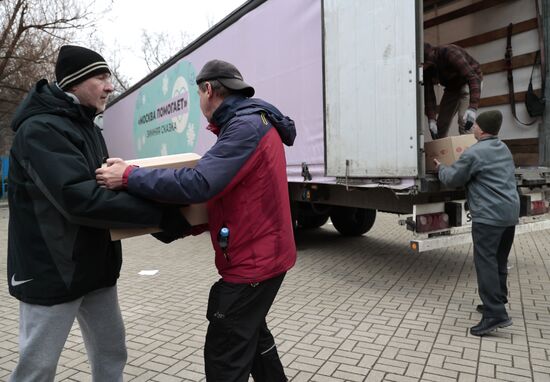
<point x="487" y="325"/>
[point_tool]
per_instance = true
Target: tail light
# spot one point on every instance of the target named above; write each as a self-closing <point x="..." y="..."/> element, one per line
<point x="539" y="207"/>
<point x="432" y="222"/>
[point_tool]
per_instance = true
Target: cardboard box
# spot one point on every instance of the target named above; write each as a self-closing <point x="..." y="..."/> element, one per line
<point x="167" y="161"/>
<point x="446" y="150"/>
<point x="196" y="214"/>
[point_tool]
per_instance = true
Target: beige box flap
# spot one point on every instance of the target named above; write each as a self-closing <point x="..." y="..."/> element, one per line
<point x="167" y="161"/>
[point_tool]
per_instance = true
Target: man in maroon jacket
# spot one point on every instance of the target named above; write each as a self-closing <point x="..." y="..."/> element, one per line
<point x="243" y="178"/>
<point x="452" y="67"/>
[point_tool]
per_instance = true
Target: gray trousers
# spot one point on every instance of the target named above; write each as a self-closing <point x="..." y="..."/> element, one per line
<point x="43" y="331"/>
<point x="492" y="246"/>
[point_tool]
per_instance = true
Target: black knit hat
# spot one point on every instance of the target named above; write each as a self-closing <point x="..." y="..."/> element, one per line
<point x="490" y="121"/>
<point x="227" y="74"/>
<point x="76" y="64"/>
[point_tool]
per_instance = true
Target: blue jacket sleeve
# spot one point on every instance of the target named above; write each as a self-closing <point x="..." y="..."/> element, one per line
<point x="212" y="174"/>
<point x="459" y="173"/>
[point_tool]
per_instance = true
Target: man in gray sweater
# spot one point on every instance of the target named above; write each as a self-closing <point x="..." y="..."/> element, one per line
<point x="487" y="171"/>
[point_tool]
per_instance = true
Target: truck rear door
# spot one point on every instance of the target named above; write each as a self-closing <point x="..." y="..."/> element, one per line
<point x="371" y="88"/>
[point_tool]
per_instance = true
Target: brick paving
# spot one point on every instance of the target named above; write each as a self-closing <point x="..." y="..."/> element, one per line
<point x="353" y="309"/>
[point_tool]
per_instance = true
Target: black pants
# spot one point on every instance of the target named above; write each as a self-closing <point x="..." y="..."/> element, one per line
<point x="492" y="246"/>
<point x="238" y="342"/>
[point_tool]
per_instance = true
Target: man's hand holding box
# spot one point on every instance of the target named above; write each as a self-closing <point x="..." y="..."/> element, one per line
<point x="195" y="214"/>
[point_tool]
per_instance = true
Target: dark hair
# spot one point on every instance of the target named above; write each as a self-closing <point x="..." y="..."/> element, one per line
<point x="217" y="88"/>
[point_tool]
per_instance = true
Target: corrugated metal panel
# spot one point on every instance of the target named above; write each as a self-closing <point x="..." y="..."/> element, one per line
<point x="494" y="84"/>
<point x="370" y="88"/>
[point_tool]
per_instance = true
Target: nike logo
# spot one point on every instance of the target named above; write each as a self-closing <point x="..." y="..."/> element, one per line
<point x="15" y="283"/>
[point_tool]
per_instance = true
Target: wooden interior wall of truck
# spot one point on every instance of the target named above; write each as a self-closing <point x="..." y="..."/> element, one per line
<point x="481" y="27"/>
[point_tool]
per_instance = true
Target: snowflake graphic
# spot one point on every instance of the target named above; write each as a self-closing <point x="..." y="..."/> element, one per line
<point x="190" y="134"/>
<point x="164" y="149"/>
<point x="143" y="99"/>
<point x="165" y="84"/>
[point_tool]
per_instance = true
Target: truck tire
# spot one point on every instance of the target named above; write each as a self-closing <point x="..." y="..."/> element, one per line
<point x="352" y="221"/>
<point x="309" y="216"/>
<point x="312" y="221"/>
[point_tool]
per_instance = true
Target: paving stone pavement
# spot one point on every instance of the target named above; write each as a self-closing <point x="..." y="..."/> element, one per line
<point x="352" y="309"/>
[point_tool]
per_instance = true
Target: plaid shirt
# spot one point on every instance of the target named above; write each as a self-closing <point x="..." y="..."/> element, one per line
<point x="454" y="68"/>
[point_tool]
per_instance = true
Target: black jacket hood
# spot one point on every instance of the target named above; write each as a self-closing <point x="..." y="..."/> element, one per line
<point x="45" y="98"/>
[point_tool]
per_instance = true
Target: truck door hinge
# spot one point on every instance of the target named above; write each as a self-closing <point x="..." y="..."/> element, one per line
<point x="305" y="172"/>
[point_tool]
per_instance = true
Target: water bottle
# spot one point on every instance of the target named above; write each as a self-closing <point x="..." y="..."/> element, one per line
<point x="223" y="238"/>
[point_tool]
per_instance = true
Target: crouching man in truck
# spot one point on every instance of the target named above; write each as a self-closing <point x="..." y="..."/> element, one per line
<point x="243" y="178"/>
<point x="460" y="74"/>
<point x="487" y="171"/>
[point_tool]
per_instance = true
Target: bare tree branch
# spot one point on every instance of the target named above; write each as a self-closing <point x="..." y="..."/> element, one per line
<point x="159" y="47"/>
<point x="31" y="33"/>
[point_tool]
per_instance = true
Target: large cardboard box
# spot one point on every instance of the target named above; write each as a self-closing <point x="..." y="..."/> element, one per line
<point x="446" y="150"/>
<point x="196" y="214"/>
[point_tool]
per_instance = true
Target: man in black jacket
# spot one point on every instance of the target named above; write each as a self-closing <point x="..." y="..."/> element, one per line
<point x="62" y="263"/>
